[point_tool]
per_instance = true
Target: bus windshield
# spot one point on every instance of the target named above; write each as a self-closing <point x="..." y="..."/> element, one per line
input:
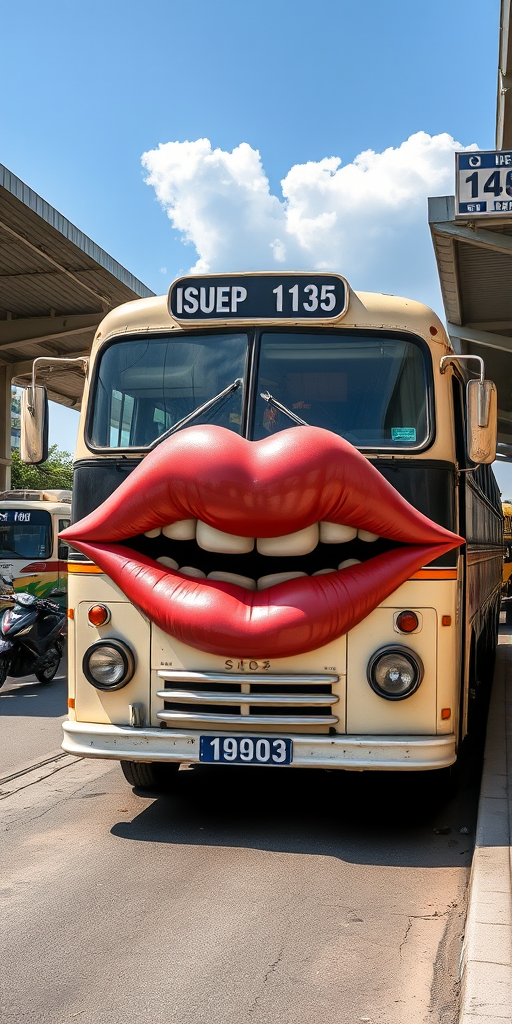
<point x="25" y="533"/>
<point x="145" y="387"/>
<point x="371" y="390"/>
<point x="369" y="387"/>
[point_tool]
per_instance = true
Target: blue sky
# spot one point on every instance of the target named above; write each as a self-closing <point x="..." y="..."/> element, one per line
<point x="88" y="88"/>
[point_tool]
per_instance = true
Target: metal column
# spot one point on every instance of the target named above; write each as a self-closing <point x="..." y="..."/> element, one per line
<point x="5" y="427"/>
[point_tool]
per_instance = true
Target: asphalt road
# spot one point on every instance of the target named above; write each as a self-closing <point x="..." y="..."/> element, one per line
<point x="246" y="896"/>
<point x="31" y="714"/>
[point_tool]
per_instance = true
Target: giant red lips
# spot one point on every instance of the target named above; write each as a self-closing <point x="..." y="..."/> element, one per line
<point x="266" y="488"/>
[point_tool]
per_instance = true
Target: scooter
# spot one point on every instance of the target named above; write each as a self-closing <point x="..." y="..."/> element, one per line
<point x="32" y="635"/>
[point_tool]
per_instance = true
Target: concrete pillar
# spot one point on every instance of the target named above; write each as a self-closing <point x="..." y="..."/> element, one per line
<point x="5" y="427"/>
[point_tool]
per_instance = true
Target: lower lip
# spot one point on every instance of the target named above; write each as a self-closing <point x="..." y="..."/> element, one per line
<point x="288" y="619"/>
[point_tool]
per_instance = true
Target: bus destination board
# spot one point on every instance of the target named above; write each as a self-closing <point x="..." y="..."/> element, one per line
<point x="256" y="297"/>
<point x="483" y="183"/>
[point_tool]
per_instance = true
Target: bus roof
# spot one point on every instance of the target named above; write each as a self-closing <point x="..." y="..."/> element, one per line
<point x="365" y="309"/>
<point x="34" y="494"/>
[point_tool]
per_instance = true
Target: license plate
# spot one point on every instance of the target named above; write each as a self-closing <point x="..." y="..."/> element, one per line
<point x="245" y="750"/>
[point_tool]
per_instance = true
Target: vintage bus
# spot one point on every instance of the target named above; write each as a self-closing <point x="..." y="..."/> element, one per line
<point x="287" y="535"/>
<point x="31" y="554"/>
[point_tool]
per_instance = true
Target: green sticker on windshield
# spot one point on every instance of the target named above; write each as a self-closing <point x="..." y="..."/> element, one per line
<point x="403" y="433"/>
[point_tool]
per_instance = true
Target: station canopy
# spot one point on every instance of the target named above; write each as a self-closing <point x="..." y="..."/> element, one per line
<point x="474" y="261"/>
<point x="56" y="285"/>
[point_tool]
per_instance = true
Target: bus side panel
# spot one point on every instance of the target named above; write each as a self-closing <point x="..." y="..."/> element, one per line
<point x="484" y="569"/>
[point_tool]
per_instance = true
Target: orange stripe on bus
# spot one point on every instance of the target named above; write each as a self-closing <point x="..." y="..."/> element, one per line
<point x="435" y="574"/>
<point x="423" y="574"/>
<point x="75" y="567"/>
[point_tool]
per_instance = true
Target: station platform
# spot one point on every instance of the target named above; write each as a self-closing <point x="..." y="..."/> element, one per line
<point x="486" y="966"/>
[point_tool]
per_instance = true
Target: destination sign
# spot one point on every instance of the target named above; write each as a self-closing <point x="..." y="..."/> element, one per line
<point x="256" y="297"/>
<point x="483" y="183"/>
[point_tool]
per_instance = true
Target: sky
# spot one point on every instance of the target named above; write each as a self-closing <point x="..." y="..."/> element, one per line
<point x="266" y="134"/>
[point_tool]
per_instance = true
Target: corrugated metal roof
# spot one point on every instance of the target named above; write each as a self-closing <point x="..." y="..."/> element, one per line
<point x="28" y="200"/>
<point x="485" y="284"/>
<point x="56" y="285"/>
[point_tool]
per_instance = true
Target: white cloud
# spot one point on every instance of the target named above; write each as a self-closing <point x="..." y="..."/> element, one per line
<point x="366" y="219"/>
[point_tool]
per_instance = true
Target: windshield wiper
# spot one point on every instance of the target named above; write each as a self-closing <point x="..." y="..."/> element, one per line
<point x="200" y="410"/>
<point x="267" y="397"/>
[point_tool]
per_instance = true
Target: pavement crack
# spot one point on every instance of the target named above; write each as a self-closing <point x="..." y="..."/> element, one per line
<point x="404" y="940"/>
<point x="270" y="970"/>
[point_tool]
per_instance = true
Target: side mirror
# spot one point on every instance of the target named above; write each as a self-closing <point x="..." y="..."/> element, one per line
<point x="34" y="426"/>
<point x="482" y="420"/>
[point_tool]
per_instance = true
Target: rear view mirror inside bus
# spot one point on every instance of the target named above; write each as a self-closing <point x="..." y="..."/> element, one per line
<point x="482" y="419"/>
<point x="34" y="426"/>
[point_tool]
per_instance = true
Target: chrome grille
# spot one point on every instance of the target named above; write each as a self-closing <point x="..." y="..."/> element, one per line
<point x="212" y="699"/>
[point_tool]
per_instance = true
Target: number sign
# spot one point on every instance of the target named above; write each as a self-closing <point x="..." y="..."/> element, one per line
<point x="256" y="297"/>
<point x="483" y="183"/>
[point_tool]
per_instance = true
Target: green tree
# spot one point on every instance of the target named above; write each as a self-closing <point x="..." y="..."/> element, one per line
<point x="54" y="474"/>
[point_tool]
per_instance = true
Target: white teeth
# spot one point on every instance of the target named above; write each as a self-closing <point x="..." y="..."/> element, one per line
<point x="278" y="577"/>
<point x="153" y="533"/>
<point x="169" y="562"/>
<point x="184" y="529"/>
<point x="189" y="570"/>
<point x="348" y="562"/>
<point x="368" y="537"/>
<point x="323" y="572"/>
<point x="333" y="533"/>
<point x="225" y="543"/>
<point x="232" y="577"/>
<point x="300" y="543"/>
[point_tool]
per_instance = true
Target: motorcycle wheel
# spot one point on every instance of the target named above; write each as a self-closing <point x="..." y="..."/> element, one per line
<point x="46" y="674"/>
<point x="4" y="669"/>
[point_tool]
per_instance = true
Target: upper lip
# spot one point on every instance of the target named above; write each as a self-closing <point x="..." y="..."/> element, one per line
<point x="266" y="488"/>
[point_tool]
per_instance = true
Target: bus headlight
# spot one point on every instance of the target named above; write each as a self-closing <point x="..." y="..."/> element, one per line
<point x="394" y="672"/>
<point x="108" y="664"/>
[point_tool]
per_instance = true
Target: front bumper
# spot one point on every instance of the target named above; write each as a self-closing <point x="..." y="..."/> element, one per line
<point x="356" y="753"/>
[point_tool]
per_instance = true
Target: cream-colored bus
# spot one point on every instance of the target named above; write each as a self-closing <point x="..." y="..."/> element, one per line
<point x="287" y="531"/>
<point x="31" y="555"/>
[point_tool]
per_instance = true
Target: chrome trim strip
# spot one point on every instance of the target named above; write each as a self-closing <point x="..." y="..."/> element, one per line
<point x="270" y="699"/>
<point x="180" y="676"/>
<point x="206" y="721"/>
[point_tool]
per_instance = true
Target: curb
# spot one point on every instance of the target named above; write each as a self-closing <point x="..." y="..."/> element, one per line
<point x="486" y="982"/>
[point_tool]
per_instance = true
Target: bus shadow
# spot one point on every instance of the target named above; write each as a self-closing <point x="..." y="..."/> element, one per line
<point x="383" y="818"/>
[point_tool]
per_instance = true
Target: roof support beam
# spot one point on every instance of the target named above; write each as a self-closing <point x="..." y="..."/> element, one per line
<point x="481" y="237"/>
<point x="103" y="299"/>
<point x="485" y="338"/>
<point x="37" y="330"/>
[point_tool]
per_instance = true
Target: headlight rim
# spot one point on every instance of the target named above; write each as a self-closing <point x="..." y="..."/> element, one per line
<point x="128" y="660"/>
<point x="412" y="656"/>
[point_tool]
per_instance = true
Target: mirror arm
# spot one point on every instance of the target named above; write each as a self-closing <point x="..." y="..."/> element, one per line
<point x="447" y="360"/>
<point x="52" y="360"/>
<point x="483" y="394"/>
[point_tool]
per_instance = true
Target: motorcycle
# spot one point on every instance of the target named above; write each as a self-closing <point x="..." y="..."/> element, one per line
<point x="32" y="635"/>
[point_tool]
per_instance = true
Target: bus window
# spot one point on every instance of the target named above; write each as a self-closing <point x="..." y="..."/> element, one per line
<point x="63" y="547"/>
<point x="372" y="391"/>
<point x="25" y="534"/>
<point x="144" y="388"/>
